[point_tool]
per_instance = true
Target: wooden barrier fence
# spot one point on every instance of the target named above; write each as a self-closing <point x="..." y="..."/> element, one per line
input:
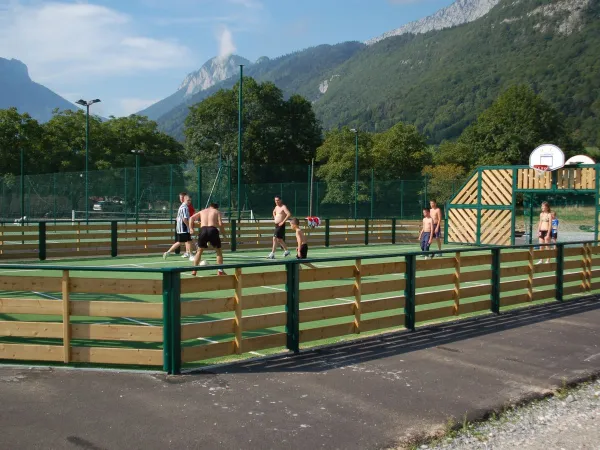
<point x="47" y="240"/>
<point x="288" y="308"/>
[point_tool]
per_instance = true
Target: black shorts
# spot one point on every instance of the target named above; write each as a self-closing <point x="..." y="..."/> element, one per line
<point x="279" y="232"/>
<point x="303" y="252"/>
<point x="209" y="234"/>
<point x="542" y="234"/>
<point x="183" y="237"/>
<point x="437" y="234"/>
<point x="553" y="234"/>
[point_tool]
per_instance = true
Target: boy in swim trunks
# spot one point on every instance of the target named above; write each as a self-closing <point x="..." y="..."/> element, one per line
<point x="544" y="228"/>
<point x="436" y="216"/>
<point x="302" y="248"/>
<point x="426" y="234"/>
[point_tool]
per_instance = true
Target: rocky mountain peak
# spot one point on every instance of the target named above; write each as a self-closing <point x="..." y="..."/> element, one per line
<point x="459" y="12"/>
<point x="212" y="72"/>
<point x="13" y="69"/>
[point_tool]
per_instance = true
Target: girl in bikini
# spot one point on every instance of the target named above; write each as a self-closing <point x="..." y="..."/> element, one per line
<point x="544" y="227"/>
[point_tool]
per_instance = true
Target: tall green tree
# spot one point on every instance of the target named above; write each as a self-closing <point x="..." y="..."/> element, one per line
<point x="20" y="131"/>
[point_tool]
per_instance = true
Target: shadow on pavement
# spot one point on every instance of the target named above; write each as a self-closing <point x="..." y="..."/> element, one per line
<point x="383" y="346"/>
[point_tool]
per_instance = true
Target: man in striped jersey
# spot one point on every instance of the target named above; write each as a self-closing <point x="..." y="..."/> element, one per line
<point x="182" y="228"/>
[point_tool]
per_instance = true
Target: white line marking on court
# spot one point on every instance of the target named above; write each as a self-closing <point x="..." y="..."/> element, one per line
<point x="137" y="321"/>
<point x="46" y="295"/>
<point x="274" y="288"/>
<point x="216" y="342"/>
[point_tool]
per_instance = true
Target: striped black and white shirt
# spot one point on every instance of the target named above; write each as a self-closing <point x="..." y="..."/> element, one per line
<point x="183" y="213"/>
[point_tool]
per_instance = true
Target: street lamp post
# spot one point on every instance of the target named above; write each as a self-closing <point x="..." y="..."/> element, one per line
<point x="137" y="183"/>
<point x="239" y="155"/>
<point x="87" y="105"/>
<point x="355" y="131"/>
<point x="23" y="186"/>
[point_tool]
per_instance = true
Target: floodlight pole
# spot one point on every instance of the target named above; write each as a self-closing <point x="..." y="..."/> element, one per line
<point x="137" y="183"/>
<point x="355" y="131"/>
<point x="87" y="105"/>
<point x="22" y="186"/>
<point x="239" y="155"/>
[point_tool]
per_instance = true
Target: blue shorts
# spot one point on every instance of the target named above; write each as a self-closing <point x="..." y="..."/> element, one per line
<point x="425" y="241"/>
<point x="437" y="234"/>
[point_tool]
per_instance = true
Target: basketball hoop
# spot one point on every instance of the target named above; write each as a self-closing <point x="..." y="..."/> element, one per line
<point x="541" y="169"/>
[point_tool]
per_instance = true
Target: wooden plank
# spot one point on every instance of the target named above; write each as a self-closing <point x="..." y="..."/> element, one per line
<point x="468" y="308"/>
<point x="315" y="334"/>
<point x="572" y="251"/>
<point x="434" y="314"/>
<point x="395" y="321"/>
<point x="544" y="281"/>
<point x="326" y="312"/>
<point x="357" y="295"/>
<point x="507" y="286"/>
<point x="66" y="316"/>
<point x="456" y="291"/>
<point x="264" y="300"/>
<point x="113" y="332"/>
<point x="206" y="284"/>
<point x="207" y="329"/>
<point x="514" y="271"/>
<point x="573" y="264"/>
<point x="262" y="342"/>
<point x="26" y="352"/>
<point x="129" y="356"/>
<point x="53" y="253"/>
<point x="437" y="280"/>
<point x="435" y="264"/>
<point x="545" y="294"/>
<point x="569" y="277"/>
<point x="382" y="304"/>
<point x="20" y="247"/>
<point x="72" y="246"/>
<point x="147" y="226"/>
<point x="207" y="306"/>
<point x="31" y="329"/>
<point x="116" y="309"/>
<point x="475" y="291"/>
<point x="265" y="279"/>
<point x="380" y="287"/>
<point x="208" y="351"/>
<point x="475" y="275"/>
<point x="30" y="283"/>
<point x="475" y="260"/>
<point x="30" y="306"/>
<point x="327" y="273"/>
<point x="262" y="321"/>
<point x="514" y="256"/>
<point x="115" y="286"/>
<point x="368" y="270"/>
<point x="426" y="298"/>
<point x="514" y="299"/>
<point x="577" y="289"/>
<point x="237" y="296"/>
<point x="326" y="293"/>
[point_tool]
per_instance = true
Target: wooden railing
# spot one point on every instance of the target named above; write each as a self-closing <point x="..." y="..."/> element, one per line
<point x="100" y="319"/>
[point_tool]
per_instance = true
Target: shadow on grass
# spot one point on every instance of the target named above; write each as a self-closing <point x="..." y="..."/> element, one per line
<point x="397" y="343"/>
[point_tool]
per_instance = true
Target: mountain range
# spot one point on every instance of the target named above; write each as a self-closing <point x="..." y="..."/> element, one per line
<point x="18" y="90"/>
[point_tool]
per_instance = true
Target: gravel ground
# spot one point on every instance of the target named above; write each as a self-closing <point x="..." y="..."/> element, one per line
<point x="569" y="420"/>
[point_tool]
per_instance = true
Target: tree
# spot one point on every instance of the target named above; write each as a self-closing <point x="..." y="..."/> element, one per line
<point x="443" y="181"/>
<point x="19" y="131"/>
<point x="276" y="131"/>
<point x="509" y="130"/>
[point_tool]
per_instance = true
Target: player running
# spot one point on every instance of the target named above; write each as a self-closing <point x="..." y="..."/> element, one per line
<point x="211" y="222"/>
<point x="281" y="214"/>
<point x="426" y="234"/>
<point x="189" y="250"/>
<point x="437" y="217"/>
<point x="182" y="227"/>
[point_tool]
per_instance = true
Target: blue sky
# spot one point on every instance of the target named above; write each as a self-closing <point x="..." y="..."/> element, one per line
<point x="131" y="53"/>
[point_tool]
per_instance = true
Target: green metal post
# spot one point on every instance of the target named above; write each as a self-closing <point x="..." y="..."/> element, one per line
<point x="22" y="186"/>
<point x="372" y="191"/>
<point x="229" y="187"/>
<point x="239" y="155"/>
<point x="410" y="276"/>
<point x="54" y="196"/>
<point x="327" y="229"/>
<point x="356" y="176"/>
<point x="446" y="222"/>
<point x="530" y="240"/>
<point x="137" y="188"/>
<point x="308" y="192"/>
<point x="125" y="200"/>
<point x="171" y="192"/>
<point x="513" y="211"/>
<point x="87" y="138"/>
<point x="401" y="199"/>
<point x="393" y="231"/>
<point x="233" y="235"/>
<point x="478" y="231"/>
<point x="172" y="322"/>
<point x="113" y="239"/>
<point x="292" y="307"/>
<point x="42" y="241"/>
<point x="167" y="323"/>
<point x="597" y="196"/>
<point x="366" y="231"/>
<point x="560" y="265"/>
<point x="496" y="280"/>
<point x="317" y="200"/>
<point x="199" y="199"/>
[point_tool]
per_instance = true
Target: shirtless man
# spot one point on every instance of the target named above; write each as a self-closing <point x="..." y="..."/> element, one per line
<point x="426" y="234"/>
<point x="281" y="214"/>
<point x="436" y="215"/>
<point x="211" y="223"/>
<point x="544" y="228"/>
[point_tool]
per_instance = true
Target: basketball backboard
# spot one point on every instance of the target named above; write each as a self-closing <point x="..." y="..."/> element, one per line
<point x="547" y="156"/>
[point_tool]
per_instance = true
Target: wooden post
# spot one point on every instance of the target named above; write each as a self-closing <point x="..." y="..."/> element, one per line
<point x="456" y="294"/>
<point x="66" y="317"/>
<point x="530" y="276"/>
<point x="357" y="289"/>
<point x="238" y="310"/>
<point x="78" y="234"/>
<point x="586" y="263"/>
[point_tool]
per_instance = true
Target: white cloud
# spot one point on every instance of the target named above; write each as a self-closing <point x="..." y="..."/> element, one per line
<point x="133" y="105"/>
<point x="250" y="4"/>
<point x="73" y="40"/>
<point x="226" y="44"/>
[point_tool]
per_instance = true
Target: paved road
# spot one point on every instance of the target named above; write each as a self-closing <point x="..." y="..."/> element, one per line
<point x="360" y="395"/>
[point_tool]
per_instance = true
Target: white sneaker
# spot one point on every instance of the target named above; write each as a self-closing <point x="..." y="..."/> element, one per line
<point x="271" y="256"/>
<point x="192" y="259"/>
<point x="185" y="255"/>
<point x="286" y="253"/>
<point x="165" y="255"/>
<point x="539" y="262"/>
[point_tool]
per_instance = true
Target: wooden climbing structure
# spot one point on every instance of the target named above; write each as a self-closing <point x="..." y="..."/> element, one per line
<point x="483" y="210"/>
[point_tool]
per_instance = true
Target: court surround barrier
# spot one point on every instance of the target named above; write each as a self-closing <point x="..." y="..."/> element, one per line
<point x="215" y="316"/>
<point x="70" y="240"/>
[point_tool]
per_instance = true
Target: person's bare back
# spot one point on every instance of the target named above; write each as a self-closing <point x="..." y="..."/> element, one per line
<point x="211" y="217"/>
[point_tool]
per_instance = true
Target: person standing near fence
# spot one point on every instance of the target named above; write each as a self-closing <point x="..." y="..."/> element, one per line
<point x="281" y="214"/>
<point x="189" y="251"/>
<point x="436" y="216"/>
<point x="544" y="227"/>
<point x="182" y="227"/>
<point x="426" y="234"/>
